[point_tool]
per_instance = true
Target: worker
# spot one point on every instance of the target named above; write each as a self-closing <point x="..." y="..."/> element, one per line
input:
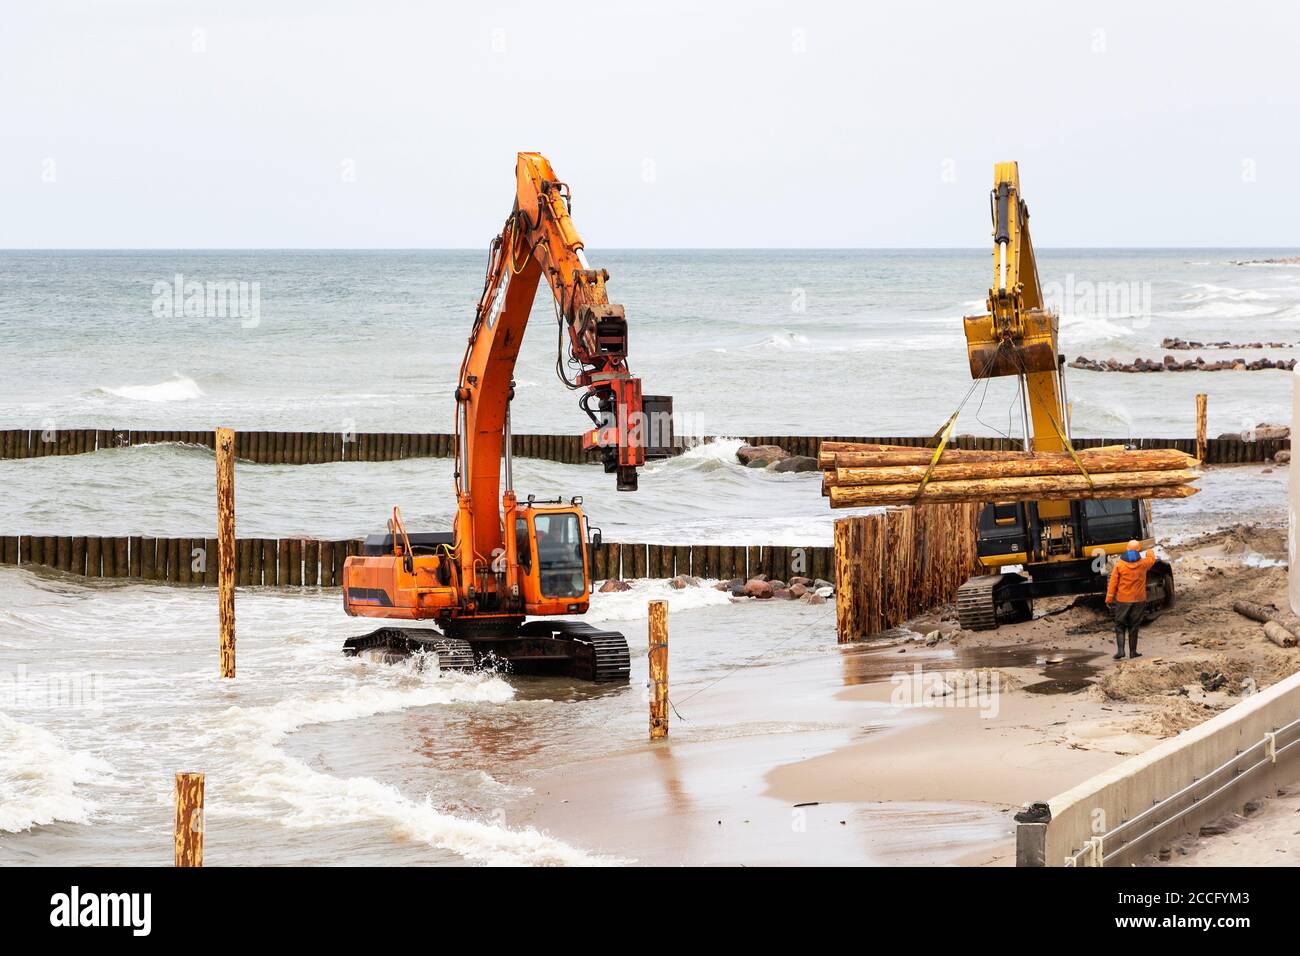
<point x="1127" y="595"/>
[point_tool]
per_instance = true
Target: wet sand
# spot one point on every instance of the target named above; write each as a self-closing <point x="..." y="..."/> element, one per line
<point x="822" y="761"/>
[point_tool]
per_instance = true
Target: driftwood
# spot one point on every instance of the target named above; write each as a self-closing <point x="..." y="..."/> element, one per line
<point x="1281" y="628"/>
<point x="1279" y="634"/>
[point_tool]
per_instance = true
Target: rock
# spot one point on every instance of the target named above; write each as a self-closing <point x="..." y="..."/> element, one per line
<point x="1281" y="457"/>
<point x="614" y="584"/>
<point x="822" y="583"/>
<point x="757" y="589"/>
<point x="758" y="577"/>
<point x="933" y="638"/>
<point x="1214" y="829"/>
<point x="799" y="579"/>
<point x="1268" y="432"/>
<point x="766" y="454"/>
<point x="796" y="463"/>
<point x="812" y="597"/>
<point x="1252" y="806"/>
<point x="685" y="581"/>
<point x="783" y="594"/>
<point x="798" y="590"/>
<point x="776" y="584"/>
<point x="824" y="591"/>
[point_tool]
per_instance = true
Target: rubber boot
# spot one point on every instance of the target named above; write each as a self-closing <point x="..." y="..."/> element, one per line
<point x="1119" y="644"/>
<point x="1133" y="643"/>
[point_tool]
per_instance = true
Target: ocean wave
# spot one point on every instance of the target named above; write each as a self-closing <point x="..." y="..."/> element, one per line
<point x="178" y="389"/>
<point x="1082" y="327"/>
<point x="41" y="780"/>
<point x="315" y="799"/>
<point x="631" y="605"/>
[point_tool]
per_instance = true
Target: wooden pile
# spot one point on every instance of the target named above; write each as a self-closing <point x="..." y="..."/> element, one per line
<point x="891" y="566"/>
<point x="863" y="475"/>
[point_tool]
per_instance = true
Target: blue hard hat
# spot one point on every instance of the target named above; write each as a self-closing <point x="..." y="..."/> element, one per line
<point x="1131" y="555"/>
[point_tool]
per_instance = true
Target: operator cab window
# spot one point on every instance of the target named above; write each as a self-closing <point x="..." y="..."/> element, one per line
<point x="522" y="550"/>
<point x="559" y="555"/>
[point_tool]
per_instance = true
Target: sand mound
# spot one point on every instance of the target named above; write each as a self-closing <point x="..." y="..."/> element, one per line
<point x="1142" y="680"/>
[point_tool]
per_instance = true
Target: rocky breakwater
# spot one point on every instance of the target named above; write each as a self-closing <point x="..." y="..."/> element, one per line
<point x="774" y="458"/>
<point x="1171" y="364"/>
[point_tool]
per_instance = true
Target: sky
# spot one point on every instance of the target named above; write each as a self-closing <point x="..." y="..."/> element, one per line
<point x="384" y="124"/>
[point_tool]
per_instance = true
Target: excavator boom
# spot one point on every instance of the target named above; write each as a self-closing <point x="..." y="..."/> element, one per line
<point x="1059" y="544"/>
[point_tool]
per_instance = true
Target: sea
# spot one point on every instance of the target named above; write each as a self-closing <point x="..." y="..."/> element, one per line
<point x="107" y="688"/>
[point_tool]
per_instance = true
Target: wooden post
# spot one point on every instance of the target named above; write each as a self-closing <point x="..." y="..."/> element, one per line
<point x="658" y="658"/>
<point x="189" y="817"/>
<point x="1201" y="444"/>
<point x="225" y="552"/>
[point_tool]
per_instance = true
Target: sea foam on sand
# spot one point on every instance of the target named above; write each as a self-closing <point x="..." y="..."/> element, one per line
<point x="41" y="781"/>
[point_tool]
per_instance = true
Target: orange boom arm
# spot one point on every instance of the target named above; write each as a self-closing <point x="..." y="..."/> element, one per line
<point x="539" y="239"/>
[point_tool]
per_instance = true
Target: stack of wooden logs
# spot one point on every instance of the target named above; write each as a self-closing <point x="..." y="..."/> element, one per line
<point x="1283" y="629"/>
<point x="864" y="475"/>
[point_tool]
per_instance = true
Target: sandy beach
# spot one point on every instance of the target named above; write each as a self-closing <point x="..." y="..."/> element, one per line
<point x="855" y="755"/>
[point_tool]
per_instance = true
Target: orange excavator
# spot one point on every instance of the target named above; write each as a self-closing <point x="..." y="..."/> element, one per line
<point x="504" y="560"/>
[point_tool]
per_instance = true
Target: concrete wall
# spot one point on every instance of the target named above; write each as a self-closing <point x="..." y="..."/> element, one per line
<point x="1101" y="804"/>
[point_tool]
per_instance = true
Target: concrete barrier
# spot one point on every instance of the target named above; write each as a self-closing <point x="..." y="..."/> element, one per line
<point x="1147" y="802"/>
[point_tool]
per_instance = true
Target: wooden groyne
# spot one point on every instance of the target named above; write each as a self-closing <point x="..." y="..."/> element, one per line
<point x="315" y="562"/>
<point x="889" y="567"/>
<point x="314" y="448"/>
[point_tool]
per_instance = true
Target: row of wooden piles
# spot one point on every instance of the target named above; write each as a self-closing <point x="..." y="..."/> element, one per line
<point x="865" y="475"/>
<point x="893" y="565"/>
<point x="311" y="562"/>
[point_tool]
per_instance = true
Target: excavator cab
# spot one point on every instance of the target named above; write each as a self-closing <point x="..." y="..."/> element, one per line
<point x="552" y="550"/>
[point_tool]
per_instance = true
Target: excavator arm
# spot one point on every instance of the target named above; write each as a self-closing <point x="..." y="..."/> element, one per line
<point x="539" y="240"/>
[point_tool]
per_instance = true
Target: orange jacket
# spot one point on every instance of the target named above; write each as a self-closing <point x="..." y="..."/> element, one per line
<point x="1128" y="579"/>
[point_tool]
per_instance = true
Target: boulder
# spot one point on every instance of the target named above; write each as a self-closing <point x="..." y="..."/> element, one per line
<point x="798" y="590"/>
<point x="757" y="589"/>
<point x="684" y="581"/>
<point x="796" y="463"/>
<point x="824" y="592"/>
<point x="823" y="583"/>
<point x="763" y="454"/>
<point x="783" y="594"/>
<point x="614" y="584"/>
<point x="812" y="597"/>
<point x="1281" y="457"/>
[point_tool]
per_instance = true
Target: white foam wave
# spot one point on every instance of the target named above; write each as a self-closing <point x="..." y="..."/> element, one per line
<point x="41" y="781"/>
<point x="178" y="389"/>
<point x="631" y="605"/>
<point x="1077" y="328"/>
<point x="317" y="799"/>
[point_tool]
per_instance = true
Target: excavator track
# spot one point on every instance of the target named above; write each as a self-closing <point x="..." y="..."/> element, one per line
<point x="396" y="643"/>
<point x="593" y="654"/>
<point x="976" y="610"/>
<point x="980" y="606"/>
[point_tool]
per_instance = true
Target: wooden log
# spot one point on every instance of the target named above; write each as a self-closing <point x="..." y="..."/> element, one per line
<point x="77" y="559"/>
<point x="1279" y="634"/>
<point x="189" y="818"/>
<point x="311" y="563"/>
<point x="108" y="557"/>
<point x="9" y="549"/>
<point x="149" y="559"/>
<point x="844" y="580"/>
<point x="63" y="553"/>
<point x="225" y="442"/>
<point x="1201" y="447"/>
<point x="121" y="555"/>
<point x="327" y="565"/>
<point x="25" y="549"/>
<point x="682" y="560"/>
<point x="282" y="550"/>
<point x="184" y="561"/>
<point x="94" y="557"/>
<point x="1144" y="484"/>
<point x="666" y="561"/>
<point x="135" y="550"/>
<point x="1096" y="464"/>
<point x="638" y="561"/>
<point x="654" y="567"/>
<point x="657" y="656"/>
<point x="891" y="456"/>
<point x="753" y="561"/>
<point x="295" y="563"/>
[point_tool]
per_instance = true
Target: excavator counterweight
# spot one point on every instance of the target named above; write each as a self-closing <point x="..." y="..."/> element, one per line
<point x="504" y="560"/>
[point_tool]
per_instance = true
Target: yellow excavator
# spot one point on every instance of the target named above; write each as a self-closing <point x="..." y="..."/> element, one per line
<point x="1060" y="547"/>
